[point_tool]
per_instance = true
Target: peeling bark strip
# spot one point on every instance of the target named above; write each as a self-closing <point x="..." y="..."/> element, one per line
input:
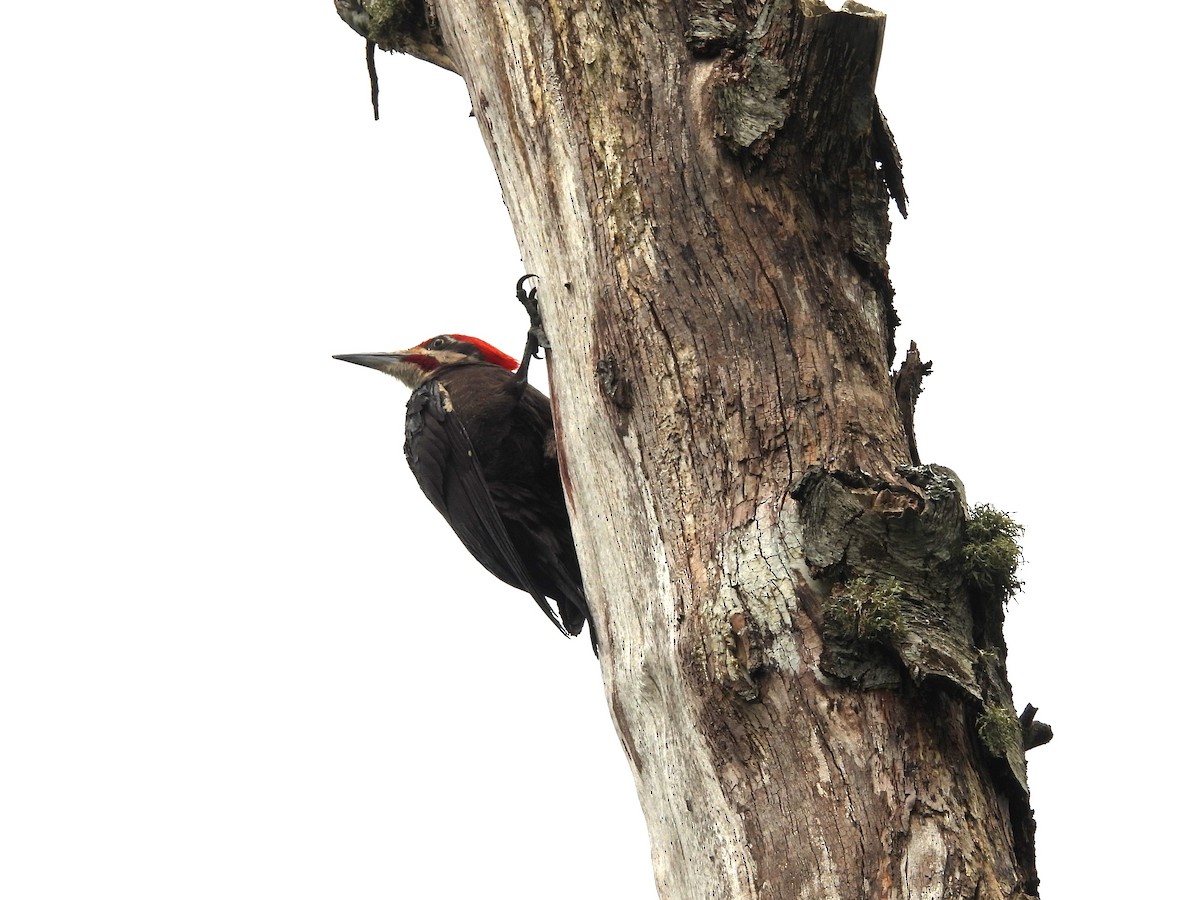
<point x="813" y="702"/>
<point x="907" y="383"/>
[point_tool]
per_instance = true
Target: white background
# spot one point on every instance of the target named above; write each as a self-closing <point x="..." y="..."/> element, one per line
<point x="241" y="657"/>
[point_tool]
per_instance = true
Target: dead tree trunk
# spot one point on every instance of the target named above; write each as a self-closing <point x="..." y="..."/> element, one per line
<point x="811" y="695"/>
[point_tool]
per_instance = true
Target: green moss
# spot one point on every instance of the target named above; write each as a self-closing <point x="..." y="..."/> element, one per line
<point x="381" y="11"/>
<point x="865" y="609"/>
<point x="389" y="21"/>
<point x="998" y="729"/>
<point x="991" y="553"/>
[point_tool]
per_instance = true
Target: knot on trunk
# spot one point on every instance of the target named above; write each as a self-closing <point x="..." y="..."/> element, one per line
<point x="910" y="598"/>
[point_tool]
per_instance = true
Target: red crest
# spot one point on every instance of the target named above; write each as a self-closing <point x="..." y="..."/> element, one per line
<point x="490" y="353"/>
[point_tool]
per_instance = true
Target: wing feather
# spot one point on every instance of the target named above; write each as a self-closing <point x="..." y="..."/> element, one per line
<point x="445" y="464"/>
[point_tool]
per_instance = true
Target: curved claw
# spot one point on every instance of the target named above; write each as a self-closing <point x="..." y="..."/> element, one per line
<point x="521" y="295"/>
<point x="536" y="336"/>
<point x="530" y="302"/>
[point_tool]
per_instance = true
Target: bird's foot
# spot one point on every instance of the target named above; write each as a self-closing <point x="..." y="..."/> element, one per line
<point x="529" y="300"/>
<point x="536" y="336"/>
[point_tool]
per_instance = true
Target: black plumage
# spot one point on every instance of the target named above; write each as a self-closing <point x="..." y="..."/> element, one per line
<point x="481" y="445"/>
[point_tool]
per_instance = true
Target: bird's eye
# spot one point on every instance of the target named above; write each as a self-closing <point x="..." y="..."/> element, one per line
<point x="437" y="343"/>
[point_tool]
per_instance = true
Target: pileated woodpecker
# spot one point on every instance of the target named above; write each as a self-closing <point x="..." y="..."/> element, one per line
<point x="480" y="441"/>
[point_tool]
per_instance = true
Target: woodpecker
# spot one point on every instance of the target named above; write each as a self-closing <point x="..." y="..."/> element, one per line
<point x="480" y="441"/>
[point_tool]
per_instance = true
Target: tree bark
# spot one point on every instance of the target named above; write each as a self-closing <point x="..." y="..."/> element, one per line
<point x="703" y="188"/>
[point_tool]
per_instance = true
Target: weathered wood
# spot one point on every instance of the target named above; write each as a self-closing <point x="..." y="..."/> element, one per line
<point x="907" y="382"/>
<point x="703" y="188"/>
